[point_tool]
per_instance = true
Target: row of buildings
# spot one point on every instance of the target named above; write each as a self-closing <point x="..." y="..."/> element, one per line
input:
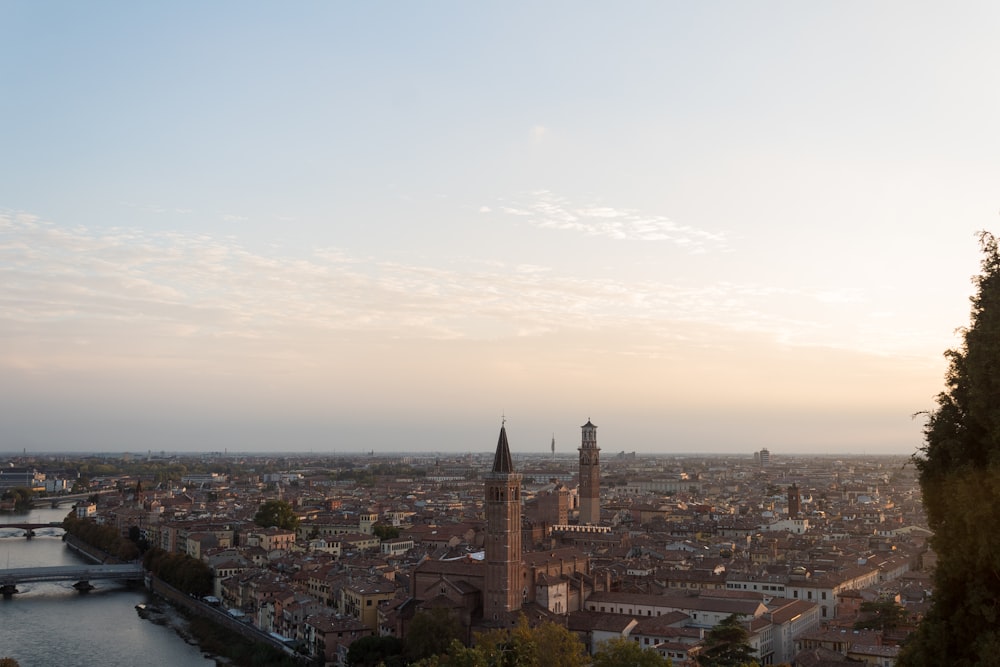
<point x="642" y="550"/>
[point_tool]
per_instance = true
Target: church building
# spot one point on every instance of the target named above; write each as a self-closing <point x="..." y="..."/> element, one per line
<point x="493" y="591"/>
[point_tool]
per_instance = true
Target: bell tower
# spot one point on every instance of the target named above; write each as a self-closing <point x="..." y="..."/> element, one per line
<point x="503" y="534"/>
<point x="590" y="476"/>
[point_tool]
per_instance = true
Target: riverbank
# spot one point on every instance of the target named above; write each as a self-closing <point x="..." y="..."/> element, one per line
<point x="216" y="634"/>
<point x="167" y="615"/>
<point x="50" y="623"/>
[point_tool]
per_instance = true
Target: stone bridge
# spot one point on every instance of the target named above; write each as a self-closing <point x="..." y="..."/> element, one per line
<point x="81" y="574"/>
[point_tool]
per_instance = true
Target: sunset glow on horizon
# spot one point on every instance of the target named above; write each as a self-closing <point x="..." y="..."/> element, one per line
<point x="323" y="227"/>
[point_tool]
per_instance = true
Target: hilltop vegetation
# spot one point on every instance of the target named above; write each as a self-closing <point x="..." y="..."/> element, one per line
<point x="960" y="478"/>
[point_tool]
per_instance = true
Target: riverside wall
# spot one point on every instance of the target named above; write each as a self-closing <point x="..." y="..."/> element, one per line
<point x="87" y="551"/>
<point x="217" y="615"/>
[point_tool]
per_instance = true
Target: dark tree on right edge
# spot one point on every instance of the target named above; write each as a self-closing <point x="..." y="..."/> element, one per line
<point x="959" y="467"/>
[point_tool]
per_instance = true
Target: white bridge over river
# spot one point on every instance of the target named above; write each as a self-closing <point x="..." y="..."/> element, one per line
<point x="81" y="574"/>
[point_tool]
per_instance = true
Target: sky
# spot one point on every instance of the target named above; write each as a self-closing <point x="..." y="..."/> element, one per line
<point x="334" y="227"/>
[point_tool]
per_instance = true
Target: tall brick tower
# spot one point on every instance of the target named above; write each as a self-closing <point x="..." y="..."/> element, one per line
<point x="794" y="502"/>
<point x="590" y="476"/>
<point x="503" y="534"/>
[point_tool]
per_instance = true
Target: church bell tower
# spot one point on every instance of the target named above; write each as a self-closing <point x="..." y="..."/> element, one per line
<point x="503" y="534"/>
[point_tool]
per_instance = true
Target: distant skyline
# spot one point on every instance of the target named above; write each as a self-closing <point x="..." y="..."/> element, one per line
<point x="323" y="227"/>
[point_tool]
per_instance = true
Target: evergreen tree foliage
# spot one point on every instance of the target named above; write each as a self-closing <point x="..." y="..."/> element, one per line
<point x="726" y="645"/>
<point x="959" y="468"/>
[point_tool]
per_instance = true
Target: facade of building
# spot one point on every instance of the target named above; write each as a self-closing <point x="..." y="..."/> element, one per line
<point x="590" y="475"/>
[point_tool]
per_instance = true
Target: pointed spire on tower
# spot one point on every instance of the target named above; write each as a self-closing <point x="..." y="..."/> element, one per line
<point x="501" y="460"/>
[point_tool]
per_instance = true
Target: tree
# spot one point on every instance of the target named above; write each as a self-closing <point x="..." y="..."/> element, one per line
<point x="881" y="615"/>
<point x="621" y="652"/>
<point x="384" y="531"/>
<point x="548" y="644"/>
<point x="21" y="496"/>
<point x="373" y="651"/>
<point x="181" y="571"/>
<point x="726" y="645"/>
<point x="276" y="513"/>
<point x="431" y="633"/>
<point x="8" y="662"/>
<point x="959" y="472"/>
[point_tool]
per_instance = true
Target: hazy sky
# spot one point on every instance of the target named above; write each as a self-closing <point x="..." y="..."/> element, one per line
<point x="332" y="226"/>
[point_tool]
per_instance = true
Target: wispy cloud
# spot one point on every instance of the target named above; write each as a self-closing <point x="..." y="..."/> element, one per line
<point x="549" y="211"/>
<point x="139" y="294"/>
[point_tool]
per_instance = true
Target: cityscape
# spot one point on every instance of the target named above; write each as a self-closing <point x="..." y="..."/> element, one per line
<point x="654" y="549"/>
<point x="521" y="334"/>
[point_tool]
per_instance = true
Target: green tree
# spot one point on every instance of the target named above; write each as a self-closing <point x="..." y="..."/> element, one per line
<point x="547" y="644"/>
<point x="385" y="531"/>
<point x="8" y="662"/>
<point x="959" y="472"/>
<point x="457" y="655"/>
<point x="374" y="651"/>
<point x="431" y="633"/>
<point x="181" y="571"/>
<point x="21" y="496"/>
<point x="881" y="615"/>
<point x="726" y="645"/>
<point x="621" y="652"/>
<point x="276" y="513"/>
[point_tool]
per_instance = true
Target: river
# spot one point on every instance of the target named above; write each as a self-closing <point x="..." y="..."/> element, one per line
<point x="52" y="625"/>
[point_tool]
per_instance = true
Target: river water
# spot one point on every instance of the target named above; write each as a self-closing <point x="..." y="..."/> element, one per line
<point x="52" y="625"/>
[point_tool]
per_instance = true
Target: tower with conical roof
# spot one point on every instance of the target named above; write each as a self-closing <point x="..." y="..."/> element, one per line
<point x="503" y="534"/>
<point x="590" y="476"/>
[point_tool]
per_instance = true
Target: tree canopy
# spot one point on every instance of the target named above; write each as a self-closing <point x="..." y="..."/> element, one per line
<point x="726" y="645"/>
<point x="276" y="513"/>
<point x="881" y="615"/>
<point x="548" y="644"/>
<point x="431" y="633"/>
<point x="21" y="496"/>
<point x="959" y="472"/>
<point x="621" y="652"/>
<point x="375" y="651"/>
